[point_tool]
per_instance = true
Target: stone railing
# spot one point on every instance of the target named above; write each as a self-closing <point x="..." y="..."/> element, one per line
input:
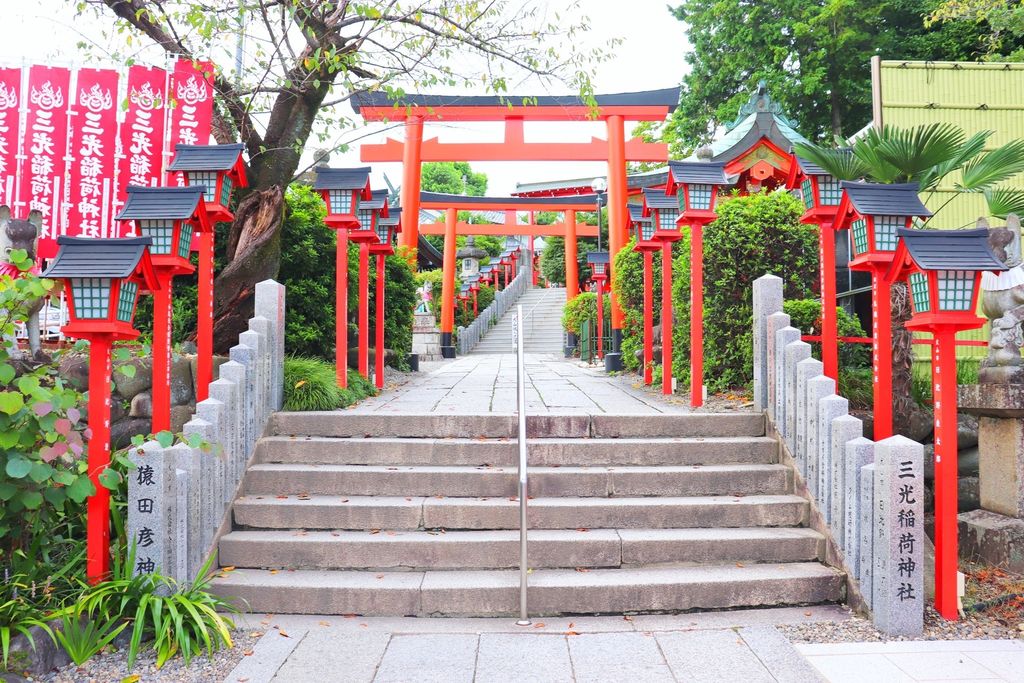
<point x="177" y="496"/>
<point x="470" y="336"/>
<point x="867" y="497"/>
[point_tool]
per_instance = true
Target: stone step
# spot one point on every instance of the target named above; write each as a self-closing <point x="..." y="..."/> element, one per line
<point x="462" y="481"/>
<point x="551" y="591"/>
<point x="548" y="548"/>
<point x="504" y="452"/>
<point x="417" y="512"/>
<point x="349" y="424"/>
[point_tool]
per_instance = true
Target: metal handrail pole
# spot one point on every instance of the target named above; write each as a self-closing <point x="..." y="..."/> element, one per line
<point x="524" y="619"/>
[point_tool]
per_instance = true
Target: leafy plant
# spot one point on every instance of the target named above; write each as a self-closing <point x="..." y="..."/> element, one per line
<point x="805" y="315"/>
<point x="18" y="615"/>
<point x="580" y="310"/>
<point x="82" y="636"/>
<point x="311" y="384"/>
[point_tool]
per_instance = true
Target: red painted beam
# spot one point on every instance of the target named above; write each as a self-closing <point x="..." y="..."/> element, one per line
<point x="595" y="150"/>
<point x="526" y="113"/>
<point x="553" y="230"/>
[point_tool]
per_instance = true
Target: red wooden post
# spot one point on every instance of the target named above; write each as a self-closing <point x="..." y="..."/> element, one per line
<point x="881" y="347"/>
<point x="600" y="320"/>
<point x="364" y="309"/>
<point x="475" y="312"/>
<point x="161" y="352"/>
<point x="829" y="315"/>
<point x="204" y="331"/>
<point x="572" y="274"/>
<point x="378" y="356"/>
<point x="696" y="314"/>
<point x="666" y="317"/>
<point x="412" y="154"/>
<point x="648" y="317"/>
<point x="341" y="308"/>
<point x="944" y="388"/>
<point x="533" y="269"/>
<point x="97" y="553"/>
<point x="617" y="213"/>
<point x="448" y="265"/>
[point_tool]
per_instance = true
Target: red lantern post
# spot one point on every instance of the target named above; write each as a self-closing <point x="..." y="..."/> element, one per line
<point x="821" y="194"/>
<point x="873" y="213"/>
<point x="388" y="223"/>
<point x="598" y="261"/>
<point x="218" y="169"/>
<point x="943" y="268"/>
<point x="643" y="228"/>
<point x="342" y="189"/>
<point x="103" y="279"/>
<point x="169" y="216"/>
<point x="697" y="184"/>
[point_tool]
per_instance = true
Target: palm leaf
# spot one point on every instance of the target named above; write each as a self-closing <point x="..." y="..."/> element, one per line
<point x="916" y="150"/>
<point x="840" y="163"/>
<point x="968" y="151"/>
<point x="1004" y="201"/>
<point x="866" y="150"/>
<point x="998" y="165"/>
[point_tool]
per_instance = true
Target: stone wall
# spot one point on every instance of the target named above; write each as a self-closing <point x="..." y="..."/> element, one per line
<point x="177" y="496"/>
<point x="867" y="497"/>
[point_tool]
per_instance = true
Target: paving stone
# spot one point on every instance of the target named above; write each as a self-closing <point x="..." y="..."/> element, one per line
<point x="605" y="657"/>
<point x="273" y="649"/>
<point x="779" y="656"/>
<point x="431" y="658"/>
<point x="326" y="649"/>
<point x="712" y="656"/>
<point x="505" y="657"/>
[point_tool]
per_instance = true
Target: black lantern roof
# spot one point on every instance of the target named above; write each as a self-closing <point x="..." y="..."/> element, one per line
<point x="951" y="249"/>
<point x="342" y="178"/>
<point x="206" y="157"/>
<point x="93" y="257"/>
<point x="698" y="172"/>
<point x="597" y="257"/>
<point x="636" y="212"/>
<point x="486" y="268"/>
<point x="394" y="216"/>
<point x="155" y="203"/>
<point x="378" y="201"/>
<point x="657" y="199"/>
<point x="877" y="199"/>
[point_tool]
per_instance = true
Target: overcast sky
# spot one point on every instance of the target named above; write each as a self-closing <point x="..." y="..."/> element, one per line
<point x="650" y="57"/>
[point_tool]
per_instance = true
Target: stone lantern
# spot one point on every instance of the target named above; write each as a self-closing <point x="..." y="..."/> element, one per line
<point x="470" y="255"/>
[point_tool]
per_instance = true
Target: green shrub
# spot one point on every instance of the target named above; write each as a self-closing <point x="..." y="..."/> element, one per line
<point x="857" y="385"/>
<point x="581" y="309"/>
<point x="311" y="384"/>
<point x="82" y="635"/>
<point x="805" y="315"/>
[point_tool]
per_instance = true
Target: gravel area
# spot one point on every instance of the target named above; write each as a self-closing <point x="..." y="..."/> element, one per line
<point x="858" y="629"/>
<point x="112" y="666"/>
<point x="715" y="403"/>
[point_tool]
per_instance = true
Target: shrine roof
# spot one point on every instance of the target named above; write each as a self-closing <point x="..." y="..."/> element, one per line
<point x="877" y="199"/>
<point x="205" y="157"/>
<point x="174" y="203"/>
<point x="951" y="249"/>
<point x="666" y="97"/>
<point x="511" y="202"/>
<point x="657" y="199"/>
<point x="341" y="178"/>
<point x="98" y="257"/>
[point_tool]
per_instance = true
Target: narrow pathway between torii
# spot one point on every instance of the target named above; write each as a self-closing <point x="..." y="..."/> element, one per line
<point x="487" y="384"/>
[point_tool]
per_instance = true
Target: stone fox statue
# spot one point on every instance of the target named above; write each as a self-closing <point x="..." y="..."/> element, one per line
<point x="1002" y="302"/>
<point x="21" y="234"/>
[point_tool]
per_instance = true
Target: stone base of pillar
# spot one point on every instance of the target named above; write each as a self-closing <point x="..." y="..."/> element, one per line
<point x="613" y="362"/>
<point x="993" y="539"/>
<point x="1000" y="411"/>
<point x="571" y="342"/>
<point x="447" y="352"/>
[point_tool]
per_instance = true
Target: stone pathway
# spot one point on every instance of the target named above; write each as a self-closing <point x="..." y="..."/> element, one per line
<point x="485" y="383"/>
<point x="709" y="647"/>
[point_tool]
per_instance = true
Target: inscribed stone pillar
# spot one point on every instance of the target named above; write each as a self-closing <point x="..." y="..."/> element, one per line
<point x="233" y="371"/>
<point x="188" y="461"/>
<point x="898" y="581"/>
<point x="859" y="452"/>
<point x="776" y="321"/>
<point x="817" y="389"/>
<point x="794" y="353"/>
<point x="767" y="300"/>
<point x="844" y="428"/>
<point x="270" y="304"/>
<point x="867" y="531"/>
<point x="783" y="338"/>
<point x="249" y="356"/>
<point x="246" y="357"/>
<point x="209" y="518"/>
<point x="213" y="412"/>
<point x="151" y="503"/>
<point x="805" y="370"/>
<point x="227" y="393"/>
<point x="180" y="526"/>
<point x="829" y="408"/>
<point x="261" y="326"/>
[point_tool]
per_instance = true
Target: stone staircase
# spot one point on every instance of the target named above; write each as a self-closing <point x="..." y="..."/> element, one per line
<point x="542" y="309"/>
<point x="345" y="513"/>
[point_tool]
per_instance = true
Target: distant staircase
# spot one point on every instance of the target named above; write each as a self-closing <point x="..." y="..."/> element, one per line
<point x="393" y="515"/>
<point x="542" y="311"/>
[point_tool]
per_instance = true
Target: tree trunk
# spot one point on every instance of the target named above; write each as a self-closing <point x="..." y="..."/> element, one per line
<point x="254" y="252"/>
<point x="835" y="104"/>
<point x="902" y="359"/>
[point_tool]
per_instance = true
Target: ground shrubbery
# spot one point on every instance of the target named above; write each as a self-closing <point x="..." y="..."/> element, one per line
<point x="311" y="384"/>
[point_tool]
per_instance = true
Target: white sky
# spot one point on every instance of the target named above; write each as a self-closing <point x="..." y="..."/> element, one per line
<point x="650" y="57"/>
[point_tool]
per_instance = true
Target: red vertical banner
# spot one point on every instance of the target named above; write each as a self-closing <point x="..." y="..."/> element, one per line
<point x="45" y="151"/>
<point x="93" y="138"/>
<point x="142" y="132"/>
<point x="10" y="135"/>
<point x="191" y="117"/>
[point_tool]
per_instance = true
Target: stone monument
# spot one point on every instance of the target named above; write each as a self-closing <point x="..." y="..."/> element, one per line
<point x="426" y="336"/>
<point x="995" y="533"/>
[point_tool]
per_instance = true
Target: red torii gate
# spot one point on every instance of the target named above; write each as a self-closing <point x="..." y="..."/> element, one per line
<point x="453" y="203"/>
<point x="613" y="109"/>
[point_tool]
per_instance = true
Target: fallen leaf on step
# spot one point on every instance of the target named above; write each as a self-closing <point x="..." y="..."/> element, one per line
<point x="571" y="624"/>
<point x="344" y="500"/>
<point x="380" y="576"/>
<point x="282" y="497"/>
<point x="582" y="529"/>
<point x="134" y="678"/>
<point x="408" y="499"/>
<point x="283" y="632"/>
<point x="393" y="469"/>
<point x="325" y="623"/>
<point x="303" y="496"/>
<point x="243" y="680"/>
<point x="391" y="533"/>
<point x="273" y="571"/>
<point x="247" y="653"/>
<point x="739" y="564"/>
<point x="539" y="625"/>
<point x="807" y="614"/>
<point x="225" y="570"/>
<point x="582" y="569"/>
<point x="335" y="533"/>
<point x="363" y="626"/>
<point x="256" y="634"/>
<point x="628" y="618"/>
<point x="350" y="616"/>
<point x="571" y="633"/>
<point x="374" y="531"/>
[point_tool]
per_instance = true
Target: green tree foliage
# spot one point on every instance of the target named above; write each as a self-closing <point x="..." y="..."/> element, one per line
<point x="753" y="235"/>
<point x="629" y="290"/>
<point x="805" y="315"/>
<point x="307" y="270"/>
<point x="1001" y="20"/>
<point x="452" y="177"/>
<point x="581" y="309"/>
<point x="814" y="57"/>
<point x="552" y="259"/>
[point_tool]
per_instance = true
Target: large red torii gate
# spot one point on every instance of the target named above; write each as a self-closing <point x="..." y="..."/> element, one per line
<point x="451" y="204"/>
<point x="613" y="109"/>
